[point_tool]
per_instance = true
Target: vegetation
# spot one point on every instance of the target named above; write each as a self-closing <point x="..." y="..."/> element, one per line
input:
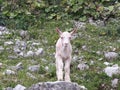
<point x="40" y="18"/>
<point x="21" y="14"/>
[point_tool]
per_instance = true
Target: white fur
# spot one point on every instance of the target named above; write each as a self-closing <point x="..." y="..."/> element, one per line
<point x="63" y="55"/>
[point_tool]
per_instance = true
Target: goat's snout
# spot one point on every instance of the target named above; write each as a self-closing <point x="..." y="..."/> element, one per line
<point x="66" y="44"/>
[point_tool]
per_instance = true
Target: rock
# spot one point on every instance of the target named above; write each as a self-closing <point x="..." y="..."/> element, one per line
<point x="16" y="50"/>
<point x="107" y="63"/>
<point x="1" y="49"/>
<point x="58" y="85"/>
<point x="30" y="54"/>
<point x="83" y="66"/>
<point x="79" y="25"/>
<point x="9" y="88"/>
<point x="8" y="43"/>
<point x="19" y="87"/>
<point x="24" y="34"/>
<point x="39" y="52"/>
<point x="35" y="44"/>
<point x="84" y="47"/>
<point x="31" y="76"/>
<point x="9" y="72"/>
<point x="12" y="57"/>
<point x="115" y="82"/>
<point x="111" y="55"/>
<point x="18" y="67"/>
<point x="34" y="68"/>
<point x="0" y="65"/>
<point x="115" y="69"/>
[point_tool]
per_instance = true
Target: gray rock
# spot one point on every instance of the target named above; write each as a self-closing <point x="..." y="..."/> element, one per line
<point x="19" y="87"/>
<point x="84" y="47"/>
<point x="31" y="76"/>
<point x="12" y="57"/>
<point x="24" y="34"/>
<point x="79" y="25"/>
<point x="115" y="82"/>
<point x="115" y="69"/>
<point x="7" y="43"/>
<point x="39" y="52"/>
<point x="83" y="66"/>
<point x="34" y="68"/>
<point x="0" y="65"/>
<point x="9" y="72"/>
<point x="58" y="85"/>
<point x="9" y="88"/>
<point x="1" y="49"/>
<point x="30" y="54"/>
<point x="111" y="55"/>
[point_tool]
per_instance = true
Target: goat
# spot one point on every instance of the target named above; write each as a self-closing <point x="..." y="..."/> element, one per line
<point x="63" y="54"/>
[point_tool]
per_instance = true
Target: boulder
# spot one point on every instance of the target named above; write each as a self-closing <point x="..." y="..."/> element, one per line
<point x="111" y="55"/>
<point x="58" y="85"/>
<point x="111" y="70"/>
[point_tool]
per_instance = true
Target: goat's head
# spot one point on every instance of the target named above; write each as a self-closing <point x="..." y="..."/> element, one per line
<point x="65" y="36"/>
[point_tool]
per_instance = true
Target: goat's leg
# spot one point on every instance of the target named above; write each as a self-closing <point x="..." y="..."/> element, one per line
<point x="59" y="69"/>
<point x="67" y="70"/>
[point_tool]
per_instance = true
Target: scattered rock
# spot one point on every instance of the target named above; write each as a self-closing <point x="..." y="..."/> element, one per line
<point x="30" y="54"/>
<point x="1" y="49"/>
<point x="34" y="68"/>
<point x="79" y="25"/>
<point x="9" y="88"/>
<point x="24" y="34"/>
<point x="59" y="85"/>
<point x="115" y="82"/>
<point x="111" y="55"/>
<point x="84" y="47"/>
<point x="107" y="63"/>
<point x="115" y="69"/>
<point x="8" y="43"/>
<point x="12" y="57"/>
<point x="9" y="72"/>
<point x="31" y="76"/>
<point x="39" y="52"/>
<point x="83" y="66"/>
<point x="19" y="87"/>
<point x="0" y="65"/>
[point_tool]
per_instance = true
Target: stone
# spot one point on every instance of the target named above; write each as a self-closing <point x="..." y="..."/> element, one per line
<point x="83" y="66"/>
<point x="111" y="70"/>
<point x="79" y="25"/>
<point x="39" y="52"/>
<point x="111" y="55"/>
<point x="1" y="65"/>
<point x="107" y="63"/>
<point x="24" y="34"/>
<point x="9" y="88"/>
<point x="34" y="68"/>
<point x="8" y="43"/>
<point x="19" y="87"/>
<point x="114" y="82"/>
<point x="1" y="49"/>
<point x="58" y="85"/>
<point x="9" y="72"/>
<point x="30" y="54"/>
<point x="12" y="57"/>
<point x="31" y="76"/>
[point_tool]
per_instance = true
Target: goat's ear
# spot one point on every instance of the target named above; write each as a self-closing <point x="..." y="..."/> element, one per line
<point x="58" y="31"/>
<point x="73" y="31"/>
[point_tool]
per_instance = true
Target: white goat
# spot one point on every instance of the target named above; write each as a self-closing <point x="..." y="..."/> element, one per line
<point x="63" y="54"/>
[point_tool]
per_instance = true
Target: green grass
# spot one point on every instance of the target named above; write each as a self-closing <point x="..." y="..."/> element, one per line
<point x="95" y="38"/>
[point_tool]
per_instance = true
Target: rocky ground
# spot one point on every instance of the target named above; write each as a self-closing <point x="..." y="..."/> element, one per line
<point x="25" y="60"/>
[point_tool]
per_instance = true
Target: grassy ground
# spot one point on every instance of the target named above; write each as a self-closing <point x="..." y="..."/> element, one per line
<point x="94" y="38"/>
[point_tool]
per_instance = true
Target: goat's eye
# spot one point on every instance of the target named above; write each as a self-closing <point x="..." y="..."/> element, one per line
<point x="70" y="38"/>
<point x="62" y="37"/>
